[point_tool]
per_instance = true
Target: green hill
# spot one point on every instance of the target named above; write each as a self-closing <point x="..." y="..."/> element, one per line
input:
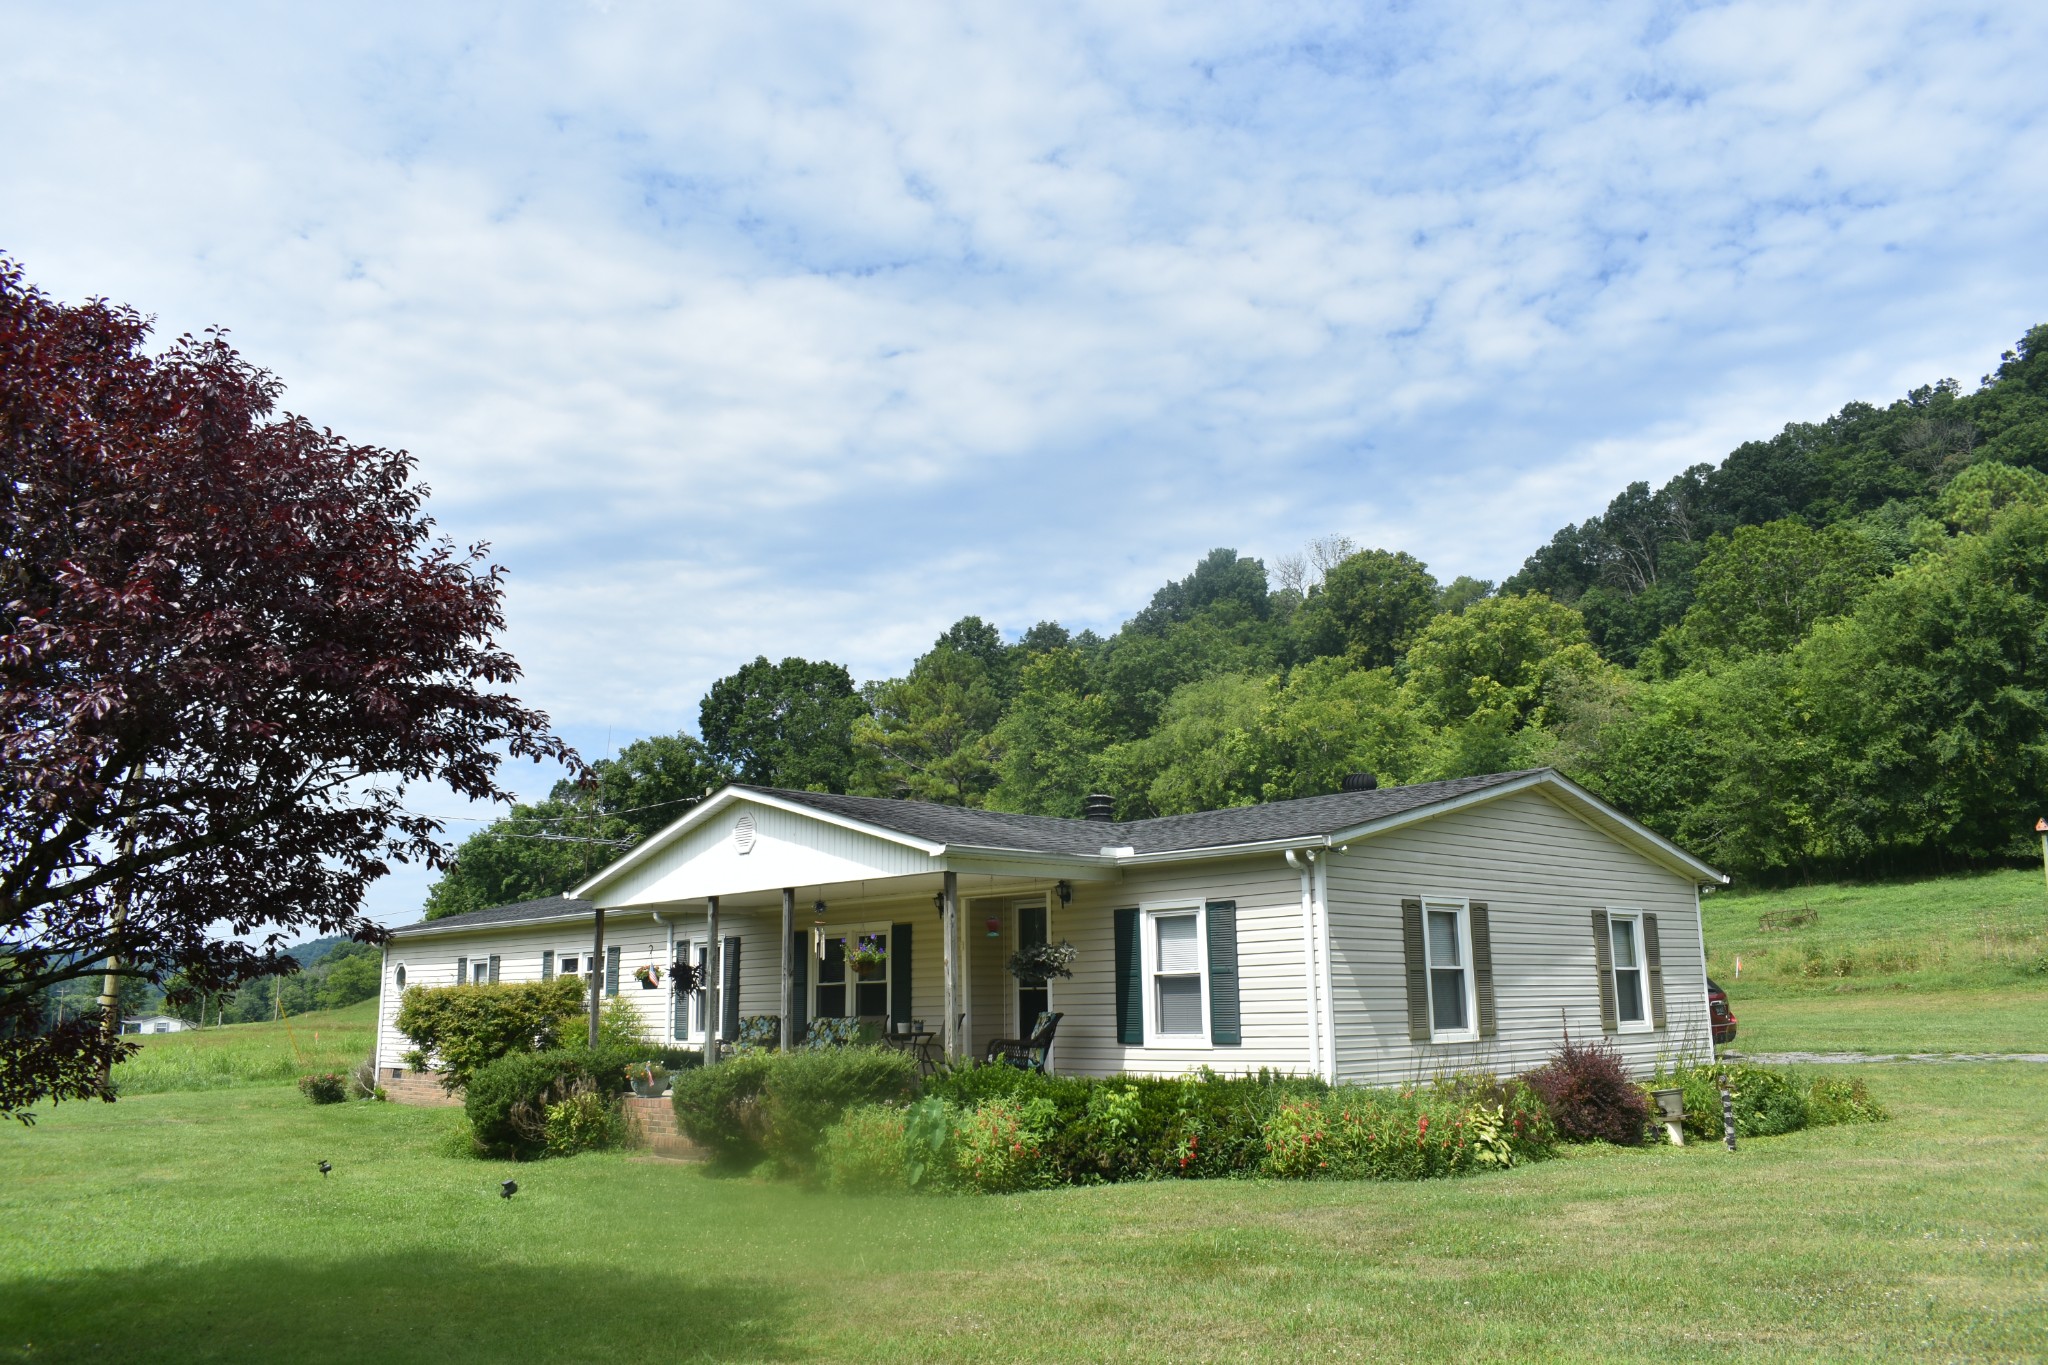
<point x="1952" y="964"/>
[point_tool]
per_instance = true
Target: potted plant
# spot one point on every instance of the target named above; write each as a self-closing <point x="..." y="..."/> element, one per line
<point x="1042" y="961"/>
<point x="865" y="955"/>
<point x="648" y="976"/>
<point x="650" y="1079"/>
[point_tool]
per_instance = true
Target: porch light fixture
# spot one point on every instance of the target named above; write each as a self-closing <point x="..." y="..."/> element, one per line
<point x="1066" y="890"/>
<point x="995" y="927"/>
<point x="818" y="911"/>
<point x="939" y="901"/>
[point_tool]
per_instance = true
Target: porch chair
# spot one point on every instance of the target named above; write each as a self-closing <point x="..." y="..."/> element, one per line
<point x="1027" y="1054"/>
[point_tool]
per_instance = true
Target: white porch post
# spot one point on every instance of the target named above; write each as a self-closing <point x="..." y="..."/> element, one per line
<point x="949" y="920"/>
<point x="714" y="967"/>
<point x="788" y="967"/>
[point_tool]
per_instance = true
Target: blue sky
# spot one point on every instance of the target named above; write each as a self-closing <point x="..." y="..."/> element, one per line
<point x="807" y="329"/>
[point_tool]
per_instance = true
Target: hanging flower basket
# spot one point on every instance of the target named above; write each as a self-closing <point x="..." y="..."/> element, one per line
<point x="1039" y="963"/>
<point x="865" y="955"/>
<point x="649" y="976"/>
<point x="685" y="978"/>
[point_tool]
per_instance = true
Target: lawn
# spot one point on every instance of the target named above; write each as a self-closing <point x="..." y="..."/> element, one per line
<point x="1954" y="964"/>
<point x="190" y="1227"/>
<point x="250" y="1054"/>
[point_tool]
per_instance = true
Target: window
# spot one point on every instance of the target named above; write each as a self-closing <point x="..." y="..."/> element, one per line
<point x="399" y="976"/>
<point x="568" y="966"/>
<point x="1447" y="947"/>
<point x="842" y="993"/>
<point x="1174" y="946"/>
<point x="1625" y="939"/>
<point x="479" y="972"/>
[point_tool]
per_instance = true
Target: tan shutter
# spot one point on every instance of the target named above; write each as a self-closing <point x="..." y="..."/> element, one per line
<point x="1653" y="958"/>
<point x="1418" y="971"/>
<point x="494" y="969"/>
<point x="1603" y="962"/>
<point x="1482" y="969"/>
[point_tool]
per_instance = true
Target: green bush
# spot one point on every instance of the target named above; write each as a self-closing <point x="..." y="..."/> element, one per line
<point x="1359" y="1134"/>
<point x="1767" y="1102"/>
<point x="1001" y="1147"/>
<point x="807" y="1091"/>
<point x="507" y="1101"/>
<point x="461" y="1029"/>
<point x="583" y="1120"/>
<point x="865" y="1151"/>
<point x="1841" y="1099"/>
<point x="328" y="1087"/>
<point x="719" y="1107"/>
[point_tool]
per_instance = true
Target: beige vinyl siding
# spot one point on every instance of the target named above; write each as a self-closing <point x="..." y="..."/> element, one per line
<point x="1272" y="979"/>
<point x="1541" y="872"/>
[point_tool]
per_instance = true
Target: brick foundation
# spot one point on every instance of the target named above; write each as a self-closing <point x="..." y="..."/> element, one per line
<point x="654" y="1124"/>
<point x="407" y="1086"/>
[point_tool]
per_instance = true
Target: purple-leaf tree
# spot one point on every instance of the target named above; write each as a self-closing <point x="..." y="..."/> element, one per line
<point x="229" y="641"/>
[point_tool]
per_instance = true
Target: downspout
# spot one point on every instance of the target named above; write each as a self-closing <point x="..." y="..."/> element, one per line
<point x="1699" y="926"/>
<point x="1308" y="958"/>
<point x="1329" y="995"/>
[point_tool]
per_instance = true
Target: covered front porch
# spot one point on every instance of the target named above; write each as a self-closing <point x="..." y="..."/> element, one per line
<point x="793" y="918"/>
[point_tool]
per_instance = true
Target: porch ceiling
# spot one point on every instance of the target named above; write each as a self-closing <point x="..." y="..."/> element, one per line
<point x="845" y="895"/>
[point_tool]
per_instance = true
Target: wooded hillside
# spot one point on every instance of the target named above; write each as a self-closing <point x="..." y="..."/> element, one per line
<point x="1826" y="654"/>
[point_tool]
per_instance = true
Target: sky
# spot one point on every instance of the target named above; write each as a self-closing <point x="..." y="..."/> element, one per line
<point x="807" y="329"/>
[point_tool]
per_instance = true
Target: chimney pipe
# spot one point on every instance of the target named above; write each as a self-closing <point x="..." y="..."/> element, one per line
<point x="1099" y="807"/>
<point x="1360" y="782"/>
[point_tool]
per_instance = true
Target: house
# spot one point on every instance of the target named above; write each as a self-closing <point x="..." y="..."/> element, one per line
<point x="154" y="1023"/>
<point x="1373" y="935"/>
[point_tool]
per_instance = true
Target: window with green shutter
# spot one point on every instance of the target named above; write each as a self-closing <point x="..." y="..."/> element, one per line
<point x="1130" y="985"/>
<point x="611" y="970"/>
<point x="1226" y="1027"/>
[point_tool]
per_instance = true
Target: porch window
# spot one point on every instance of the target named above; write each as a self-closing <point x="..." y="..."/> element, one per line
<point x="1446" y="941"/>
<point x="842" y="992"/>
<point x="1624" y="931"/>
<point x="1177" y="974"/>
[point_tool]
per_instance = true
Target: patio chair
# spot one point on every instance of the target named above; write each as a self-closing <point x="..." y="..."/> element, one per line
<point x="1027" y="1054"/>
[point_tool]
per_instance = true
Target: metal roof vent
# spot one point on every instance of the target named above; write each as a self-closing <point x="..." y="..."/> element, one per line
<point x="1360" y="782"/>
<point x="743" y="833"/>
<point x="1099" y="807"/>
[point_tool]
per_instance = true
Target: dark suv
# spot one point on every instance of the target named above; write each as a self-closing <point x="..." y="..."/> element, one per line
<point x="1717" y="1010"/>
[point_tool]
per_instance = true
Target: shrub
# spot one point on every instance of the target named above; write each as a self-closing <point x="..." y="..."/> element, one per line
<point x="1000" y="1147"/>
<point x="464" y="1028"/>
<point x="1360" y="1134"/>
<point x="507" y="1101"/>
<point x="864" y="1151"/>
<point x="620" y="1026"/>
<point x="927" y="1143"/>
<point x="328" y="1087"/>
<point x="362" y="1081"/>
<point x="1586" y="1090"/>
<point x="583" y="1120"/>
<point x="806" y="1092"/>
<point x="720" y="1107"/>
<point x="1841" y="1099"/>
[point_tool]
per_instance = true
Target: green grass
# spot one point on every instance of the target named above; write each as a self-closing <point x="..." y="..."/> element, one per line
<point x="1949" y="964"/>
<point x="194" y="1227"/>
<point x="250" y="1054"/>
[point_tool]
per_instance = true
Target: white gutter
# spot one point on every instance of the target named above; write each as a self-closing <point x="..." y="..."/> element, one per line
<point x="1311" y="977"/>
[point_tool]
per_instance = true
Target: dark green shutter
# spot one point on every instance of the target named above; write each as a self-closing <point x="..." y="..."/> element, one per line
<point x="547" y="965"/>
<point x="1130" y="989"/>
<point x="462" y="971"/>
<point x="1653" y="958"/>
<point x="611" y="970"/>
<point x="1417" y="971"/>
<point x="494" y="969"/>
<point x="729" y="991"/>
<point x="1603" y="962"/>
<point x="1226" y="1029"/>
<point x="1482" y="969"/>
<point x="899" y="976"/>
<point x="799" y="983"/>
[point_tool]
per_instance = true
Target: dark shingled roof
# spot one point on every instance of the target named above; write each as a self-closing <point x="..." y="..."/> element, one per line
<point x="544" y="908"/>
<point x="1304" y="818"/>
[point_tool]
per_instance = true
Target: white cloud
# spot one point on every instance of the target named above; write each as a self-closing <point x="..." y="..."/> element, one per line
<point x="809" y="329"/>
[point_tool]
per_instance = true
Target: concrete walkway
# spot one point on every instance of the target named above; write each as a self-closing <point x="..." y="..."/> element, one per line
<point x="1802" y="1058"/>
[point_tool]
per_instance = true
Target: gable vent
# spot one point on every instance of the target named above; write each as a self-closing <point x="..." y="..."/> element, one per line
<point x="743" y="833"/>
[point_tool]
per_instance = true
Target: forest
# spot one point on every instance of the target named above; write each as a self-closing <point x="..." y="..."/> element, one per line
<point x="1825" y="656"/>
